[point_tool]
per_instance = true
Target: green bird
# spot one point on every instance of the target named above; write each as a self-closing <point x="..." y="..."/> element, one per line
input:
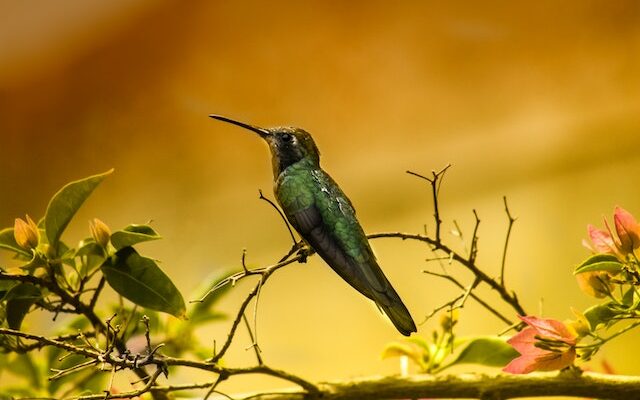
<point x="322" y="214"/>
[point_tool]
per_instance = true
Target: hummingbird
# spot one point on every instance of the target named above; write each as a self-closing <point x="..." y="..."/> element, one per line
<point x="323" y="215"/>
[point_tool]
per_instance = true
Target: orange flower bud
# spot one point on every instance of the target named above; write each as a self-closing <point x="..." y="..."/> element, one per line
<point x="100" y="232"/>
<point x="26" y="233"/>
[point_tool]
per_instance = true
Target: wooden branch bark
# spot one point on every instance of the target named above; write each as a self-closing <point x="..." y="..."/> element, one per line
<point x="475" y="386"/>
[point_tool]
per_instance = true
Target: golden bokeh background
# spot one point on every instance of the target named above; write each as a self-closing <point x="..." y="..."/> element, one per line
<point x="538" y="101"/>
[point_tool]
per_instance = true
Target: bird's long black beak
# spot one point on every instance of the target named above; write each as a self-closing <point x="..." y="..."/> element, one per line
<point x="260" y="131"/>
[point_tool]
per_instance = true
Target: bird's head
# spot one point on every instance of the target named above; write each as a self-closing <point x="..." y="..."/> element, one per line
<point x="288" y="145"/>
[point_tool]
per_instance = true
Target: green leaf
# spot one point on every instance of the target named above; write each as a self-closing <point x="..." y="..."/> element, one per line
<point x="8" y="242"/>
<point x="600" y="262"/>
<point x="601" y="314"/>
<point x="487" y="350"/>
<point x="201" y="312"/>
<point x="140" y="280"/>
<point x="133" y="234"/>
<point x="64" y="205"/>
<point x="19" y="299"/>
<point x="91" y="256"/>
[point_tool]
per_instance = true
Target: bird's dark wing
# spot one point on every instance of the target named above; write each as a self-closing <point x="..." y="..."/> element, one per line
<point x="322" y="214"/>
<point x="309" y="224"/>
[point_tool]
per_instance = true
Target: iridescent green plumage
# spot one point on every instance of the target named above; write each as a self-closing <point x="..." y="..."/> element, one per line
<point x="323" y="215"/>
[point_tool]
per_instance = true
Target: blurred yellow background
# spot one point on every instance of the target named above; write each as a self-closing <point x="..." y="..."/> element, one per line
<point x="538" y="101"/>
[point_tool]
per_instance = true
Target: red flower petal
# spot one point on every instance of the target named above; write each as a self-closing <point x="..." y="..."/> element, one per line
<point x="601" y="240"/>
<point x="550" y="328"/>
<point x="554" y="361"/>
<point x="521" y="365"/>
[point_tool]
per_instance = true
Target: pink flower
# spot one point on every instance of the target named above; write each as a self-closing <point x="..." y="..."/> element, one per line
<point x="601" y="241"/>
<point x="627" y="229"/>
<point x="545" y="345"/>
<point x="626" y="240"/>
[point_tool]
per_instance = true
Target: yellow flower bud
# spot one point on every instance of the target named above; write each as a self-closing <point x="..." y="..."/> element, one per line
<point x="26" y="233"/>
<point x="100" y="232"/>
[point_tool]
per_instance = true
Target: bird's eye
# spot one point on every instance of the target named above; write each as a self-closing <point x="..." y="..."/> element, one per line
<point x="287" y="137"/>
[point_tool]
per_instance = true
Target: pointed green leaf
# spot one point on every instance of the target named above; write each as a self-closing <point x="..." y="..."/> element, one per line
<point x="487" y="350"/>
<point x="600" y="262"/>
<point x="64" y="205"/>
<point x="19" y="300"/>
<point x="140" y="280"/>
<point x="8" y="242"/>
<point x="133" y="234"/>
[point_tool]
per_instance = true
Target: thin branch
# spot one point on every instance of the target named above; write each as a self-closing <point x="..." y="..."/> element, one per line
<point x="509" y="297"/>
<point x="506" y="241"/>
<point x="59" y="373"/>
<point x="448" y="304"/>
<point x="125" y="395"/>
<point x="435" y="182"/>
<point x="214" y="385"/>
<point x="264" y="273"/>
<point x="23" y="348"/>
<point x="96" y="294"/>
<point x="258" y="369"/>
<point x="254" y="343"/>
<point x="284" y="219"/>
<point x="473" y="296"/>
<point x="45" y="341"/>
<point x="473" y="253"/>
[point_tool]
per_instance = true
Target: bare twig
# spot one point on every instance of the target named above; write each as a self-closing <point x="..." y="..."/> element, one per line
<point x="96" y="294"/>
<point x="284" y="219"/>
<point x="59" y="373"/>
<point x="506" y="241"/>
<point x="254" y="343"/>
<point x="472" y="295"/>
<point x="474" y="239"/>
<point x="125" y="395"/>
<point x="264" y="273"/>
<point x="435" y="182"/>
<point x="509" y="297"/>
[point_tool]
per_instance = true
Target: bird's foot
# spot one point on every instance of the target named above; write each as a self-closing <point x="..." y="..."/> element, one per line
<point x="303" y="253"/>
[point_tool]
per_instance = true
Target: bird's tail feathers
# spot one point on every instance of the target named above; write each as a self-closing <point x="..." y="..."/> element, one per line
<point x="397" y="312"/>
